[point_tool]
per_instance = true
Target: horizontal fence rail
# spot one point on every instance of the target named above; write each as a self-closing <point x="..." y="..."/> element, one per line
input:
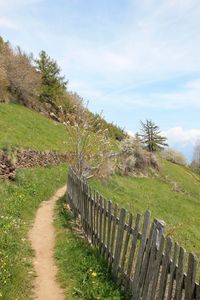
<point x="143" y="261"/>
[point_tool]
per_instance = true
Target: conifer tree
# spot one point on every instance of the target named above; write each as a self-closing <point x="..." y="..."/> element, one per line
<point x="53" y="84"/>
<point x="151" y="136"/>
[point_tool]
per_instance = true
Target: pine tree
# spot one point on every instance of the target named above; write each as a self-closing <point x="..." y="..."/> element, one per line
<point x="151" y="137"/>
<point x="53" y="84"/>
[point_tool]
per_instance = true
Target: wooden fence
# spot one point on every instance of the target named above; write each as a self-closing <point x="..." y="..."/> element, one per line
<point x="141" y="259"/>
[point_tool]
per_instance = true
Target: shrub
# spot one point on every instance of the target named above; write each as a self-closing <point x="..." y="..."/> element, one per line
<point x="174" y="156"/>
<point x="134" y="159"/>
<point x="19" y="79"/>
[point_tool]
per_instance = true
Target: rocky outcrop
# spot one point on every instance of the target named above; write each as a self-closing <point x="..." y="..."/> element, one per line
<point x="28" y="159"/>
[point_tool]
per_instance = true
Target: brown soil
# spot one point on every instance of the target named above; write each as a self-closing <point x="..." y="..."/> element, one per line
<point x="42" y="237"/>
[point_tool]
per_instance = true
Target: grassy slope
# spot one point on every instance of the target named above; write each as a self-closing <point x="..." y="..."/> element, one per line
<point x="19" y="201"/>
<point x="180" y="210"/>
<point x="22" y="127"/>
<point x="83" y="272"/>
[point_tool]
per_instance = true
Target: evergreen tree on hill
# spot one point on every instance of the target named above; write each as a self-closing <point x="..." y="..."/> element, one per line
<point x="151" y="136"/>
<point x="53" y="84"/>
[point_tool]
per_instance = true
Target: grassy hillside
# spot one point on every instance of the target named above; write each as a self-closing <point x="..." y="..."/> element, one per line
<point x="22" y="127"/>
<point x="173" y="197"/>
<point x="19" y="201"/>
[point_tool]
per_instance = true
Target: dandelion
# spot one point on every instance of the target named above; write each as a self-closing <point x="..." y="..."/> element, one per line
<point x="94" y="274"/>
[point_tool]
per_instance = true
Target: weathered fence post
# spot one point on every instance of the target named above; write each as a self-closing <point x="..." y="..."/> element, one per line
<point x="118" y="247"/>
<point x="114" y="221"/>
<point x="160" y="225"/>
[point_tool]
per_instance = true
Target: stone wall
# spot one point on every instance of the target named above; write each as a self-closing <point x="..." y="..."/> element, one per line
<point x="33" y="158"/>
<point x="7" y="168"/>
<point x="28" y="159"/>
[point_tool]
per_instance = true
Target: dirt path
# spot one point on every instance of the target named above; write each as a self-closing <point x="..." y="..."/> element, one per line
<point x="42" y="237"/>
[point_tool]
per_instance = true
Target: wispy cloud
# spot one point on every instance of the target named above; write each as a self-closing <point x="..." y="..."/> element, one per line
<point x="178" y="135"/>
<point x="157" y="42"/>
<point x="188" y="96"/>
<point x="12" y="4"/>
<point x="8" y="23"/>
<point x="160" y="39"/>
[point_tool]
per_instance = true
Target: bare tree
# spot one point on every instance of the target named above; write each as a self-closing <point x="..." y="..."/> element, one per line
<point x="3" y="75"/>
<point x="18" y="76"/>
<point x="196" y="157"/>
<point x="24" y="81"/>
<point x="3" y="84"/>
<point x="88" y="150"/>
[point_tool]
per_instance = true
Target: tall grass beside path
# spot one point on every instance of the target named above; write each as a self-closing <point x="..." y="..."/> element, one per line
<point x="19" y="201"/>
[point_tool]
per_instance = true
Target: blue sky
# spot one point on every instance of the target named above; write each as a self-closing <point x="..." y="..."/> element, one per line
<point x="133" y="59"/>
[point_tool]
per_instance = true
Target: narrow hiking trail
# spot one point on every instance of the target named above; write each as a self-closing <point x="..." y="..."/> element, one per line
<point x="42" y="237"/>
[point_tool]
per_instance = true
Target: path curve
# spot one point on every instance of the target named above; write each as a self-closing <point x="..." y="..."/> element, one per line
<point x="42" y="237"/>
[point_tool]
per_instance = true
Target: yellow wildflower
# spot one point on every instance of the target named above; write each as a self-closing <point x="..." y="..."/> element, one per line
<point x="94" y="274"/>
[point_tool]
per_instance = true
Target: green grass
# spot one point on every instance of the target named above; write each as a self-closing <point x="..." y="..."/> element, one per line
<point x="180" y="210"/>
<point x="82" y="271"/>
<point x="22" y="127"/>
<point x="19" y="201"/>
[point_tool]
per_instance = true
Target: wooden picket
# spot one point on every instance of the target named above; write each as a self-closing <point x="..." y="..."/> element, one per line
<point x="146" y="263"/>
